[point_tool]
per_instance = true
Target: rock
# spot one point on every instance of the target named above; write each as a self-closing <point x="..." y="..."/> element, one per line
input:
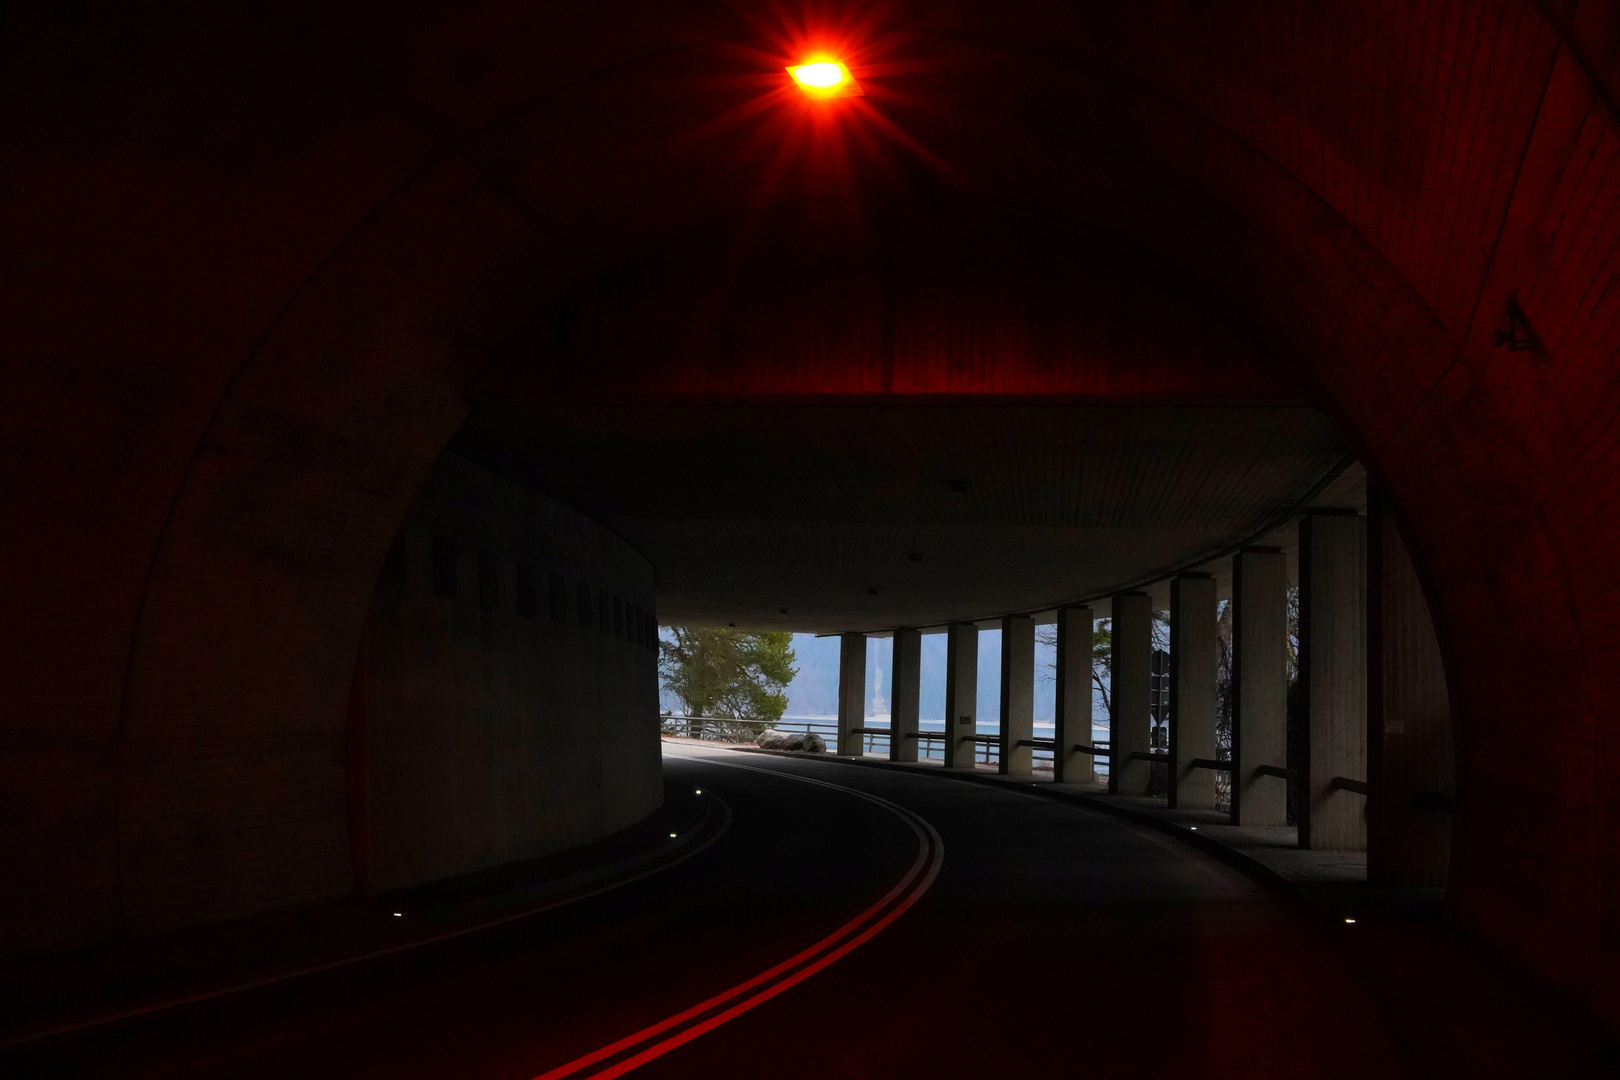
<point x="806" y="741"/>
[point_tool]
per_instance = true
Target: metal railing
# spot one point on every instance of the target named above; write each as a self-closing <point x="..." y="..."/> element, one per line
<point x="714" y="728"/>
<point x="874" y="740"/>
<point x="989" y="752"/>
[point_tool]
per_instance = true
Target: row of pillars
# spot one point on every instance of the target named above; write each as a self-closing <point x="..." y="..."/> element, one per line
<point x="1374" y="765"/>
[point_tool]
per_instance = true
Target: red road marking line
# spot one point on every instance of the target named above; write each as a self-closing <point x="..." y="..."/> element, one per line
<point x="659" y="1049"/>
<point x="930" y="852"/>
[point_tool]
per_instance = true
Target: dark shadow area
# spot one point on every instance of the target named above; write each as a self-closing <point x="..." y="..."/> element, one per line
<point x="82" y="988"/>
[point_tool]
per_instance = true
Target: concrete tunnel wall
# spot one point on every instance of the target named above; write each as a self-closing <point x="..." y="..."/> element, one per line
<point x="486" y="719"/>
<point x="506" y="697"/>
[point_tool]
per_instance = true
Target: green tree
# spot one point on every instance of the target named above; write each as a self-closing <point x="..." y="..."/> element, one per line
<point x="731" y="674"/>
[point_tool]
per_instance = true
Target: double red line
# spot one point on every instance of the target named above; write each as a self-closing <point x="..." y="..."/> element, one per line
<point x="632" y="1051"/>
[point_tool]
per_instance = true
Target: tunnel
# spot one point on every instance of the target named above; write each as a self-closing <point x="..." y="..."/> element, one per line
<point x="380" y="382"/>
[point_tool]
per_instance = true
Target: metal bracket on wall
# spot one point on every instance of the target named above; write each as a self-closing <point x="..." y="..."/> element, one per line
<point x="1517" y="334"/>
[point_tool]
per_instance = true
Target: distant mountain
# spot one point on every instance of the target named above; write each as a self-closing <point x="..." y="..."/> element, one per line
<point x="814" y="690"/>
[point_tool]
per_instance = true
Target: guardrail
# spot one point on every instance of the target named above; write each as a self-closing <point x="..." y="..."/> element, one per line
<point x="985" y="742"/>
<point x="873" y="740"/>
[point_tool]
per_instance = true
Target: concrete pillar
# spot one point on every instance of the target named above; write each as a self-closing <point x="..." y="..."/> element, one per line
<point x="1017" y="696"/>
<point x="1333" y="675"/>
<point x="1259" y="685"/>
<point x="1073" y="714"/>
<point x="905" y="695"/>
<point x="961" y="694"/>
<point x="1129" y="724"/>
<point x="1192" y="690"/>
<point x="1410" y="756"/>
<point x="851" y="693"/>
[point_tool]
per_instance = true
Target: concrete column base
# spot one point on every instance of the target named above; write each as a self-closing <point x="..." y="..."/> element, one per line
<point x="1129" y="723"/>
<point x="1072" y="719"/>
<point x="851" y="694"/>
<point x="961" y="694"/>
<point x="1017" y="697"/>
<point x="1192" y="691"/>
<point x="1259" y="686"/>
<point x="1333" y="674"/>
<point x="1411" y="762"/>
<point x="905" y="695"/>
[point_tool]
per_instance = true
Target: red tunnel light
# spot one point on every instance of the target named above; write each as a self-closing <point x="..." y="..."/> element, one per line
<point x="825" y="78"/>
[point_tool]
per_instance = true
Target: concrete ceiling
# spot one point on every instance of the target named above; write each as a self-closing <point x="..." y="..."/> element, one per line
<point x="864" y="517"/>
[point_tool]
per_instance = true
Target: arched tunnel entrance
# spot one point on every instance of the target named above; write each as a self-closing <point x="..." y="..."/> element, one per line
<point x="586" y="319"/>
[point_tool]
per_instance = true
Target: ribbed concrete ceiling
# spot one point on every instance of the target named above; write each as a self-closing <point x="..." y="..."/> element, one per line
<point x="833" y="517"/>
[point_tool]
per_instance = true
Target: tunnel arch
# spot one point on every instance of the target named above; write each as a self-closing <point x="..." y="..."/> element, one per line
<point x="269" y="487"/>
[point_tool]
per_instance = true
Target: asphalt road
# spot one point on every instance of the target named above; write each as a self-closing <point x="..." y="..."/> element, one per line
<point x="850" y="922"/>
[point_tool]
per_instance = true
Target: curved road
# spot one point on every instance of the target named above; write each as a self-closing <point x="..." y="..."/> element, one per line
<point x="935" y="928"/>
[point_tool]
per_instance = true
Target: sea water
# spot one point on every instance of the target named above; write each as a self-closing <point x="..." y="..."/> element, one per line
<point x="827" y="728"/>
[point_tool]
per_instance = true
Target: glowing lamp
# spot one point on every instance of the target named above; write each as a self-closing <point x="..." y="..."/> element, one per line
<point x="825" y="79"/>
